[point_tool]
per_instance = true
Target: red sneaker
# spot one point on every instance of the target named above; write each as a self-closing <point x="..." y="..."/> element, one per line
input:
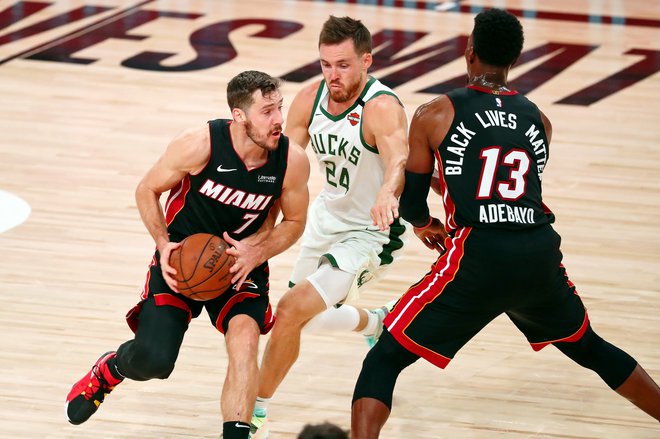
<point x="87" y="394"/>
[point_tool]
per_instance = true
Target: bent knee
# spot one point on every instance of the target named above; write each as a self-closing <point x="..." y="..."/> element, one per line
<point x="242" y="332"/>
<point x="155" y="364"/>
<point x="299" y="305"/>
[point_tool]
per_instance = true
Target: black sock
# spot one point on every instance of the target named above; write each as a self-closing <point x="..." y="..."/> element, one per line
<point x="114" y="371"/>
<point x="235" y="430"/>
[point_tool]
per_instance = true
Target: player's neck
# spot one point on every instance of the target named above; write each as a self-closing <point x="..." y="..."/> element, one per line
<point x="491" y="80"/>
<point x="252" y="155"/>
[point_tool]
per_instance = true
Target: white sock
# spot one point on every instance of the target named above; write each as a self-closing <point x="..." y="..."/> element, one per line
<point x="344" y="318"/>
<point x="261" y="406"/>
<point x="372" y="323"/>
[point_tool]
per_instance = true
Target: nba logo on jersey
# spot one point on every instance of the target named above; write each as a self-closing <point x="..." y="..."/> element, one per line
<point x="498" y="102"/>
<point x="353" y="118"/>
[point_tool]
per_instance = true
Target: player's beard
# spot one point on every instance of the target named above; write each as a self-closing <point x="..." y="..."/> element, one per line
<point x="344" y="95"/>
<point x="267" y="141"/>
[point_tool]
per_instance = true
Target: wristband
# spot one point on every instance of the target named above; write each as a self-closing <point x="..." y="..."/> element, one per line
<point x="427" y="224"/>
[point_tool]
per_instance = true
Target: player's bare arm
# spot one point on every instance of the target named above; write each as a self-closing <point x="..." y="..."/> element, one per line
<point x="428" y="128"/>
<point x="186" y="154"/>
<point x="300" y="113"/>
<point x="547" y="125"/>
<point x="385" y="126"/>
<point x="249" y="253"/>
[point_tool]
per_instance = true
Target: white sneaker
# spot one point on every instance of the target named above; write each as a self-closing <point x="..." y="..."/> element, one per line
<point x="380" y="315"/>
<point x="258" y="427"/>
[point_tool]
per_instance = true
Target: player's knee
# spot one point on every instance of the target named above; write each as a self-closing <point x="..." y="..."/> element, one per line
<point x="612" y="364"/>
<point x="381" y="368"/>
<point x="242" y="334"/>
<point x="154" y="363"/>
<point x="297" y="307"/>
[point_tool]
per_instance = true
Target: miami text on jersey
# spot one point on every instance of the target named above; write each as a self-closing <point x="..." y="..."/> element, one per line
<point x="233" y="197"/>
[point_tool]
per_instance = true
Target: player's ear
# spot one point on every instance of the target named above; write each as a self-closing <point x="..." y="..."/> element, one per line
<point x="469" y="54"/>
<point x="367" y="59"/>
<point x="469" y="50"/>
<point x="238" y="115"/>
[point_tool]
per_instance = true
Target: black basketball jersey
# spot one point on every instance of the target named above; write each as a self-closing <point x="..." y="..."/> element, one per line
<point x="225" y="196"/>
<point x="491" y="161"/>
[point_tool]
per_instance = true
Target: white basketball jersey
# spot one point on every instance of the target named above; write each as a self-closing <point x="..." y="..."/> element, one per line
<point x="352" y="168"/>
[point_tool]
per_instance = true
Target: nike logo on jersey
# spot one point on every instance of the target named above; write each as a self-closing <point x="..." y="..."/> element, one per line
<point x="221" y="169"/>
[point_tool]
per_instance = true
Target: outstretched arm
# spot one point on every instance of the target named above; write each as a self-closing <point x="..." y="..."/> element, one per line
<point x="385" y="122"/>
<point x="186" y="154"/>
<point x="263" y="245"/>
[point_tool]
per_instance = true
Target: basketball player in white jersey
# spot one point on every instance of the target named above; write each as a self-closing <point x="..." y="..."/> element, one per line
<point x="357" y="128"/>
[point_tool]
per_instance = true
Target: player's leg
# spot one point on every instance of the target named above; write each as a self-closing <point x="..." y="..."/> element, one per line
<point x="372" y="397"/>
<point x="241" y="381"/>
<point x="349" y="264"/>
<point x="151" y="354"/>
<point x="556" y="315"/>
<point x="433" y="320"/>
<point x="368" y="322"/>
<point x="640" y="389"/>
<point x="155" y="348"/>
<point x="242" y="317"/>
<point x="296" y="307"/>
<point x="616" y="368"/>
<point x="333" y="284"/>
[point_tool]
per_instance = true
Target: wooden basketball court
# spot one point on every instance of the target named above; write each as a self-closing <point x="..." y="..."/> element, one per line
<point x="91" y="91"/>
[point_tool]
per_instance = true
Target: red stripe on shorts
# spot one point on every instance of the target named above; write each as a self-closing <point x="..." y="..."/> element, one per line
<point x="424" y="292"/>
<point x="577" y="335"/>
<point x="236" y="298"/>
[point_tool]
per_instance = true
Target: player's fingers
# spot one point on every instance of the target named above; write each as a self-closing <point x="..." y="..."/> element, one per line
<point x="169" y="270"/>
<point x="229" y="239"/>
<point x="238" y="279"/>
<point x="383" y="219"/>
<point x="241" y="281"/>
<point x="390" y="216"/>
<point x="171" y="282"/>
<point x="235" y="267"/>
<point x="374" y="216"/>
<point x="165" y="266"/>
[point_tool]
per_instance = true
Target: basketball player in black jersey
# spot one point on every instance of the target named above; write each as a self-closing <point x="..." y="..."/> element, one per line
<point x="223" y="178"/>
<point x="501" y="254"/>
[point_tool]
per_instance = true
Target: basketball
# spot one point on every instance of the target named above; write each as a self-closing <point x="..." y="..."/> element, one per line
<point x="202" y="266"/>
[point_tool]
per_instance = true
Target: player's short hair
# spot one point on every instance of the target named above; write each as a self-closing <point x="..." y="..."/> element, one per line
<point x="339" y="29"/>
<point x="497" y="37"/>
<point x="242" y="86"/>
<point x="326" y="430"/>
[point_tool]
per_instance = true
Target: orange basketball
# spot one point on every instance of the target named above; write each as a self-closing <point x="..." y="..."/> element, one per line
<point x="202" y="266"/>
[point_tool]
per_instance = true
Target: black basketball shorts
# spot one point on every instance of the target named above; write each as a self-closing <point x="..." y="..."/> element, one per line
<point x="252" y="299"/>
<point x="482" y="274"/>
